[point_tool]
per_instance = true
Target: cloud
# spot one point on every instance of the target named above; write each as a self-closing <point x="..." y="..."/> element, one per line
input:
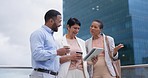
<point x="13" y="54"/>
<point x="18" y="19"/>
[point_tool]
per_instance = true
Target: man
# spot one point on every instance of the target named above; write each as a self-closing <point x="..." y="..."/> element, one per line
<point x="45" y="55"/>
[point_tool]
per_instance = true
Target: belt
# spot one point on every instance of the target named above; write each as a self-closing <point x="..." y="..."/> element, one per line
<point x="46" y="71"/>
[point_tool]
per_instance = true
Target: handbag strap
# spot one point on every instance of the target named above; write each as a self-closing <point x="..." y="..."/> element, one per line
<point x="109" y="51"/>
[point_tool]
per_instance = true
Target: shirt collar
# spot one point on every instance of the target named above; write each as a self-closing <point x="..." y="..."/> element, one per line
<point x="49" y="30"/>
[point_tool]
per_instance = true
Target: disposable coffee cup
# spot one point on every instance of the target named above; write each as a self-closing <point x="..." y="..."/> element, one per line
<point x="67" y="47"/>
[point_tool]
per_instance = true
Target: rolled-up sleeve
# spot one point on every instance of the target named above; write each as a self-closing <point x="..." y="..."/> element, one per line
<point x="116" y="56"/>
<point x="112" y="46"/>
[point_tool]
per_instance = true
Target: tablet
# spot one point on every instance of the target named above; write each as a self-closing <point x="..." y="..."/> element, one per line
<point x="92" y="53"/>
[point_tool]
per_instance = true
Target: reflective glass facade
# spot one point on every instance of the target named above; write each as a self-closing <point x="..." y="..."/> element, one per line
<point x="139" y="13"/>
<point x="124" y="20"/>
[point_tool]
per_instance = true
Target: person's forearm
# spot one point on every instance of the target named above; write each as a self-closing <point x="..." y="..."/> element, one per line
<point x="90" y="63"/>
<point x="64" y="59"/>
<point x="41" y="55"/>
<point x="114" y="53"/>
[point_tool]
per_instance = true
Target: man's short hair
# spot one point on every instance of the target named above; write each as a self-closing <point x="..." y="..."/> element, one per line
<point x="51" y="14"/>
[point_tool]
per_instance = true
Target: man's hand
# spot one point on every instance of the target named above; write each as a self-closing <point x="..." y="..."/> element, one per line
<point x="63" y="51"/>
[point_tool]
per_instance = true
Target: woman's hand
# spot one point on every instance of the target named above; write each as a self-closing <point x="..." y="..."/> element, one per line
<point x="117" y="48"/>
<point x="75" y="56"/>
<point x="94" y="59"/>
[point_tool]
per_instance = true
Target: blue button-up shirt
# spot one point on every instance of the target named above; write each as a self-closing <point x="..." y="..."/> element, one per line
<point x="44" y="49"/>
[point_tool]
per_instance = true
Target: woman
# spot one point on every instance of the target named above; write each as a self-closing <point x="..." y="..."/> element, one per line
<point x="72" y="65"/>
<point x="102" y="66"/>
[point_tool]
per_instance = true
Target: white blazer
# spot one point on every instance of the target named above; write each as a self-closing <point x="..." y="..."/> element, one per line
<point x="65" y="66"/>
<point x="107" y="57"/>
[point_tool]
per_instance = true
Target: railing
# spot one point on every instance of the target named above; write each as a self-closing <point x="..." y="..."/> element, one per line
<point x="131" y="71"/>
<point x="14" y="72"/>
<point x="135" y="71"/>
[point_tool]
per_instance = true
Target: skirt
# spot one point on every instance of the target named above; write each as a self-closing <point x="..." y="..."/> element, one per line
<point x="75" y="73"/>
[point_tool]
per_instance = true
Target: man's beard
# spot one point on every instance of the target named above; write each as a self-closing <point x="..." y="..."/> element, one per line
<point x="55" y="27"/>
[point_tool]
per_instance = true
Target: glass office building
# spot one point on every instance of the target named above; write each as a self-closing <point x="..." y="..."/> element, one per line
<point x="124" y="20"/>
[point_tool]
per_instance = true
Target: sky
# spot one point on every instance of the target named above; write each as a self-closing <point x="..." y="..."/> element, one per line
<point x="18" y="19"/>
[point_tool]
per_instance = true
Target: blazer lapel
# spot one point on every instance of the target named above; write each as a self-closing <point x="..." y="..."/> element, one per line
<point x="64" y="41"/>
<point x="90" y="45"/>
